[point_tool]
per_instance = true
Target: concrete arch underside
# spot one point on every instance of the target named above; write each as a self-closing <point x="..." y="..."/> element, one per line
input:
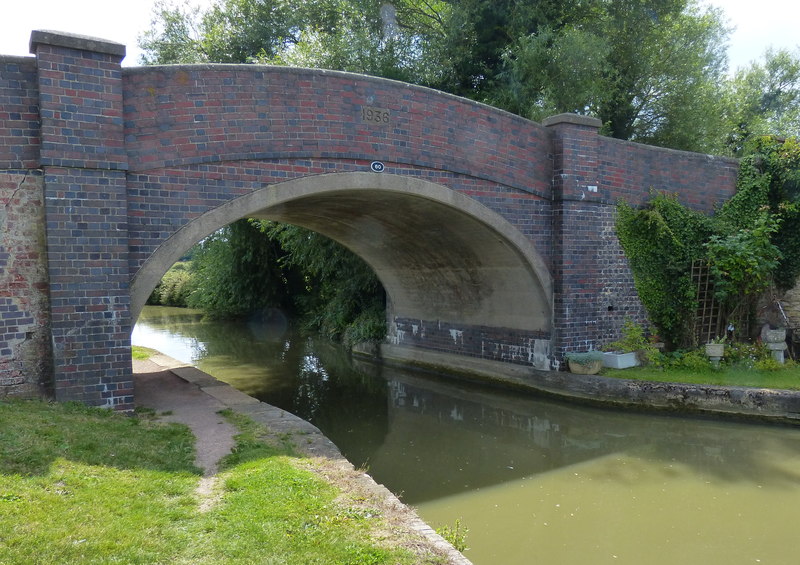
<point x="439" y="254"/>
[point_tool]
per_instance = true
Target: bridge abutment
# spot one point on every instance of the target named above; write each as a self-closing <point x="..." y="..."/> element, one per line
<point x="84" y="163"/>
<point x="593" y="288"/>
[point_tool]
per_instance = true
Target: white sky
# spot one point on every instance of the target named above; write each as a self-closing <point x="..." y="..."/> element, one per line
<point x="759" y="23"/>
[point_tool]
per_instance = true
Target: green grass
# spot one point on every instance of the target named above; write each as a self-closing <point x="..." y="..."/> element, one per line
<point x="142" y="353"/>
<point x="81" y="485"/>
<point x="786" y="379"/>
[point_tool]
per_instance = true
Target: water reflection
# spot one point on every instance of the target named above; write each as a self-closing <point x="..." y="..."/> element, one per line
<point x="534" y="480"/>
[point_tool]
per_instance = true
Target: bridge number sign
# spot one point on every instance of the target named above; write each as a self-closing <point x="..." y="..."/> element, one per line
<point x="373" y="115"/>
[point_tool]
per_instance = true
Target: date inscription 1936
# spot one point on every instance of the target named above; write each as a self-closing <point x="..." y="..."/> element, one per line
<point x="373" y="115"/>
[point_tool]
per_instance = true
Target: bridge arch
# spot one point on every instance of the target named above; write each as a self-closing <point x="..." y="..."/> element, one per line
<point x="506" y="251"/>
<point x="440" y="255"/>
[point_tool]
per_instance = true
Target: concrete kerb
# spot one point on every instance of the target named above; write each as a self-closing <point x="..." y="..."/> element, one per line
<point x="314" y="442"/>
<point x="745" y="403"/>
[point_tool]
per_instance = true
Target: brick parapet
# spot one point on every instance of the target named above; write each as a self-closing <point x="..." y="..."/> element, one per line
<point x="188" y="115"/>
<point x="80" y="102"/>
<point x="632" y="171"/>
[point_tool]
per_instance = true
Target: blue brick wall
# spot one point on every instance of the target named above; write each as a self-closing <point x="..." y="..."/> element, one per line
<point x="86" y="211"/>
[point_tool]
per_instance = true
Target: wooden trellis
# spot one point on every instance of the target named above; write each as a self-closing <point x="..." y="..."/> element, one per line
<point x="712" y="318"/>
<point x="708" y="319"/>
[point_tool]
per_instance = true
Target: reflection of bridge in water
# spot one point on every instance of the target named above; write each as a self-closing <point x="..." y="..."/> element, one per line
<point x="444" y="438"/>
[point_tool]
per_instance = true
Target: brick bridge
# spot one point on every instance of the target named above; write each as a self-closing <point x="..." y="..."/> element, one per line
<point x="493" y="235"/>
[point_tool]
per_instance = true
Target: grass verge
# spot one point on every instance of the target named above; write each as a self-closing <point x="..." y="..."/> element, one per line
<point x="82" y="485"/>
<point x="142" y="353"/>
<point x="785" y="379"/>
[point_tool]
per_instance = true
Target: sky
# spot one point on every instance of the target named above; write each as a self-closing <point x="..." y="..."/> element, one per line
<point x="759" y="24"/>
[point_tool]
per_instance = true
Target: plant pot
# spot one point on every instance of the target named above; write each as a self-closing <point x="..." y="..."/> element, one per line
<point x="618" y="360"/>
<point x="715" y="350"/>
<point x="591" y="368"/>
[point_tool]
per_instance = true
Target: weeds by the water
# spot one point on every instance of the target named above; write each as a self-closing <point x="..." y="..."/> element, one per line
<point x="456" y="535"/>
<point x="142" y="353"/>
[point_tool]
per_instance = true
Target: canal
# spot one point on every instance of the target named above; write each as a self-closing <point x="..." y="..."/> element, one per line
<point x="535" y="481"/>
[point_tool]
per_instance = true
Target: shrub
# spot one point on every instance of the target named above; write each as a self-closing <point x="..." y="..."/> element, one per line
<point x="584" y="358"/>
<point x="174" y="287"/>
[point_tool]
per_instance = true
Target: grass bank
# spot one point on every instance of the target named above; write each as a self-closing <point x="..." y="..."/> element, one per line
<point x="787" y="378"/>
<point x="83" y="485"/>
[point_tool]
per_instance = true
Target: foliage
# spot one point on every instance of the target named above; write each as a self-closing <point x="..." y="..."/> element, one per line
<point x="746" y="355"/>
<point x="769" y="185"/>
<point x="749" y="365"/>
<point x="660" y="242"/>
<point x="344" y="299"/>
<point x="763" y="99"/>
<point x="752" y="242"/>
<point x="650" y="71"/>
<point x="584" y="358"/>
<point x="141" y="353"/>
<point x="743" y="263"/>
<point x="238" y="271"/>
<point x="633" y="340"/>
<point x="456" y="535"/>
<point x="174" y="288"/>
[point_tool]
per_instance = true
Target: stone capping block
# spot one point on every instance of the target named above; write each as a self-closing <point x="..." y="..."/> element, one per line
<point x="195" y="376"/>
<point x="228" y="395"/>
<point x="574" y="119"/>
<point x="75" y="41"/>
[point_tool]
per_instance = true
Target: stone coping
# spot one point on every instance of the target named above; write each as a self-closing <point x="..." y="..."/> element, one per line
<point x="747" y="403"/>
<point x="75" y="41"/>
<point x="314" y="442"/>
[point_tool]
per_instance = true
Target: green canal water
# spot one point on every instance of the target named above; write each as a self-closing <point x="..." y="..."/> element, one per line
<point x="534" y="481"/>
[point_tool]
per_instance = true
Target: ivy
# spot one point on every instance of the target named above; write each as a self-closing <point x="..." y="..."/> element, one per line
<point x="661" y="241"/>
<point x="769" y="182"/>
<point x="753" y="241"/>
<point x="743" y="263"/>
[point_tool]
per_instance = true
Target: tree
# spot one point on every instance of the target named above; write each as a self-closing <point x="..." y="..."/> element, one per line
<point x="238" y="272"/>
<point x="764" y="99"/>
<point x="174" y="35"/>
<point x="344" y="298"/>
<point x="649" y="70"/>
